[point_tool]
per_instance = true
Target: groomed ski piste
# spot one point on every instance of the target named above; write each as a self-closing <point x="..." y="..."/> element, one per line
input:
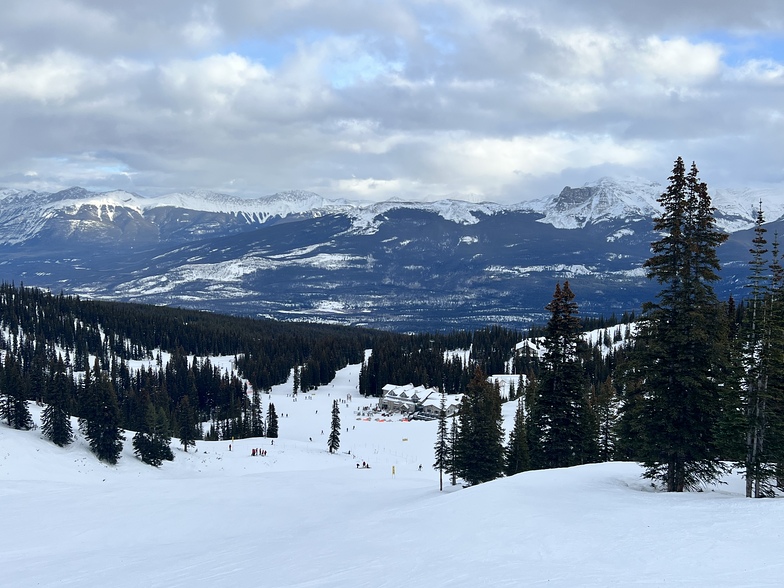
<point x="302" y="517"/>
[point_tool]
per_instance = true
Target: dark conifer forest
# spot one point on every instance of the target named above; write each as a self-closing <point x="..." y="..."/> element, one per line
<point x="64" y="351"/>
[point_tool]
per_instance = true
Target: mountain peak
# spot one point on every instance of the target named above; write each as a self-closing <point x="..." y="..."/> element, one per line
<point x="73" y="193"/>
<point x="599" y="201"/>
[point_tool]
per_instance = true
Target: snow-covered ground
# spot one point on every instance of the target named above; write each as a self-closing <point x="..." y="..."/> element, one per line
<point x="306" y="518"/>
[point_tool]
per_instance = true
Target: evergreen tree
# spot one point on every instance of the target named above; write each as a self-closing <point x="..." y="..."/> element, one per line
<point x="153" y="444"/>
<point x="142" y="448"/>
<point x="161" y="434"/>
<point x="442" y="443"/>
<point x="272" y="422"/>
<point x="606" y="411"/>
<point x="451" y="468"/>
<point x="333" y="443"/>
<point x="56" y="415"/>
<point x="682" y="343"/>
<point x="763" y="397"/>
<point x="756" y="358"/>
<point x="776" y="267"/>
<point x="101" y="419"/>
<point x="256" y="415"/>
<point x="188" y="426"/>
<point x="13" y="395"/>
<point x="479" y="450"/>
<point x="733" y="422"/>
<point x="517" y="456"/>
<point x="296" y="380"/>
<point x="562" y="426"/>
<point x="774" y="448"/>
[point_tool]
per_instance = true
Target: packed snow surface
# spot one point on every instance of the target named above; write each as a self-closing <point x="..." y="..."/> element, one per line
<point x="303" y="517"/>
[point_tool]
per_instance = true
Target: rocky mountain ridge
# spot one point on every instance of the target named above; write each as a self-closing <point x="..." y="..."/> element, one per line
<point x="408" y="266"/>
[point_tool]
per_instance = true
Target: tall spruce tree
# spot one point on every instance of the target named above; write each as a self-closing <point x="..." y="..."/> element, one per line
<point x="56" y="415"/>
<point x="441" y="448"/>
<point x="775" y="401"/>
<point x="763" y="392"/>
<point x="517" y="455"/>
<point x="333" y="442"/>
<point x="681" y="344"/>
<point x="188" y="427"/>
<point x="562" y="426"/>
<point x="256" y="415"/>
<point x="479" y="450"/>
<point x="756" y="355"/>
<point x="451" y="465"/>
<point x="100" y="420"/>
<point x="272" y="422"/>
<point x="13" y="395"/>
<point x="605" y="407"/>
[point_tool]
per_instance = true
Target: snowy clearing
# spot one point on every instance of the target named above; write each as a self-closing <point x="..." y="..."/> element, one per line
<point x="302" y="517"/>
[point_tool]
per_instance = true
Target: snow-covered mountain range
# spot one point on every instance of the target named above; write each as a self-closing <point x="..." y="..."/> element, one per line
<point x="24" y="213"/>
<point x="396" y="264"/>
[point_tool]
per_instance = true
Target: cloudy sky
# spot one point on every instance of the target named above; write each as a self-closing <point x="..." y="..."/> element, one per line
<point x="372" y="99"/>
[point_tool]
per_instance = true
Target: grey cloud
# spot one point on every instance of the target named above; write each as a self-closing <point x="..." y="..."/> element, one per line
<point x="152" y="111"/>
<point x="673" y="16"/>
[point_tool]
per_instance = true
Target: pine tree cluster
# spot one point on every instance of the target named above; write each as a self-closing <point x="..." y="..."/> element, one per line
<point x="696" y="389"/>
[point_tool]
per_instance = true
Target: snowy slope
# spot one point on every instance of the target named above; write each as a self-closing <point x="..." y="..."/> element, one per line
<point x="302" y="517"/>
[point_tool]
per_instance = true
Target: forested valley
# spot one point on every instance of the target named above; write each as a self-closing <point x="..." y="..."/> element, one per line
<point x="77" y="354"/>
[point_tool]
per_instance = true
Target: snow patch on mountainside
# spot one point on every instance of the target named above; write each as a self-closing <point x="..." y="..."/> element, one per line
<point x="565" y="270"/>
<point x="235" y="270"/>
<point x="10" y="193"/>
<point x="637" y="272"/>
<point x="568" y="271"/>
<point x="618" y="234"/>
<point x="368" y="218"/>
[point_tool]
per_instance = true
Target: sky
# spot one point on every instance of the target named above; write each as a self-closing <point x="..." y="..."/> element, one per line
<point x="497" y="100"/>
